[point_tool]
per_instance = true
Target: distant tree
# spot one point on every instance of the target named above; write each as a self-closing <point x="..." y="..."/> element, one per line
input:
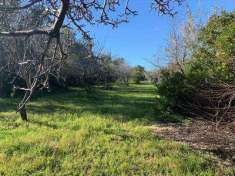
<point x="101" y="69"/>
<point x="122" y="71"/>
<point x="78" y="69"/>
<point x="106" y="69"/>
<point x="182" y="42"/>
<point x="153" y="76"/>
<point x="138" y="74"/>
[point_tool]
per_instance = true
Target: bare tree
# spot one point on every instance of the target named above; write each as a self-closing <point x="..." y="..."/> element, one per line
<point x="58" y="15"/>
<point x="181" y="42"/>
<point x="122" y="71"/>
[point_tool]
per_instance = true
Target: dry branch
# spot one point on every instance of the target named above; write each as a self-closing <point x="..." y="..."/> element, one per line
<point x="212" y="101"/>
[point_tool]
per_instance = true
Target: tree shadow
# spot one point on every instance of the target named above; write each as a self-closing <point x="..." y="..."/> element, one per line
<point x="99" y="102"/>
<point x="7" y="104"/>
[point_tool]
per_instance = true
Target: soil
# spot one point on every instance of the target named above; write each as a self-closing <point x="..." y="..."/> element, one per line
<point x="202" y="135"/>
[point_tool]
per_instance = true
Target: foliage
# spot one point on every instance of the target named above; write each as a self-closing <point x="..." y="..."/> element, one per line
<point x="216" y="49"/>
<point x="122" y="71"/>
<point x="138" y="74"/>
<point x="217" y="37"/>
<point x="211" y="63"/>
<point x="102" y="69"/>
<point x="210" y="70"/>
<point x="173" y="88"/>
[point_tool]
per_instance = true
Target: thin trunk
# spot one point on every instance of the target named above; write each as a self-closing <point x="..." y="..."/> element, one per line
<point x="23" y="114"/>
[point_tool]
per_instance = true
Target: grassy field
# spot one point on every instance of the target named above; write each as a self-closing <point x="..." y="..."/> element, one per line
<point x="94" y="133"/>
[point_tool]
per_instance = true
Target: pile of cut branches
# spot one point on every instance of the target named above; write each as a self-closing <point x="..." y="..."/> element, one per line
<point x="214" y="102"/>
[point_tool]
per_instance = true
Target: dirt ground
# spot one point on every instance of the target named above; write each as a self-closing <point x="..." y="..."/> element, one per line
<point x="203" y="136"/>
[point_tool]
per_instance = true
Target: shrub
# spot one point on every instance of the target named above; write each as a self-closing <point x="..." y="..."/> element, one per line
<point x="210" y="71"/>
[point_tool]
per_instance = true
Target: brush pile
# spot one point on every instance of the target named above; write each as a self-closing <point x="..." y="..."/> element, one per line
<point x="214" y="102"/>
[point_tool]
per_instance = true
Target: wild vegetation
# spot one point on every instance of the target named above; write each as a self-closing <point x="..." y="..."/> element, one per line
<point x="86" y="112"/>
<point x="203" y="84"/>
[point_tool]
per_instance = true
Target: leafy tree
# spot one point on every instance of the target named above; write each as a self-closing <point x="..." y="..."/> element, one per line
<point x="122" y="71"/>
<point x="138" y="74"/>
<point x="215" y="51"/>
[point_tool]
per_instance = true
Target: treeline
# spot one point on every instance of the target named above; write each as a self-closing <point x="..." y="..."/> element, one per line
<point x="78" y="70"/>
<point x="20" y="58"/>
<point x="102" y="69"/>
<point x="200" y="80"/>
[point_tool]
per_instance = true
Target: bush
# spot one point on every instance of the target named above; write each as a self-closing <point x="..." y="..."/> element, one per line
<point x="138" y="74"/>
<point x="181" y="89"/>
<point x="171" y="87"/>
<point x="206" y="74"/>
<point x="205" y="87"/>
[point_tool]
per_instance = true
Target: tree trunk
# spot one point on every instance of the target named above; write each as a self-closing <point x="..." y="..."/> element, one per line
<point x="23" y="114"/>
<point x="106" y="83"/>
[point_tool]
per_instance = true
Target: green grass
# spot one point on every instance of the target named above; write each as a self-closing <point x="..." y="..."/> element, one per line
<point x="95" y="133"/>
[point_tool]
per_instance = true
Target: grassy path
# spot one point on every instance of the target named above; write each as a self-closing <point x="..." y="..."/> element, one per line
<point x="98" y="133"/>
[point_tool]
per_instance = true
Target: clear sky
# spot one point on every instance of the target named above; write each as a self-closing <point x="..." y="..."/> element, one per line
<point x="146" y="35"/>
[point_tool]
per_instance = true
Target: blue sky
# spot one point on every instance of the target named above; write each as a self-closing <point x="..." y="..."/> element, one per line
<point x="146" y="35"/>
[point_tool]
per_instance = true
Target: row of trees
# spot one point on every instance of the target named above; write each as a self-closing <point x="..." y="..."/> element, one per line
<point x="77" y="69"/>
<point x="101" y="69"/>
<point x="21" y="57"/>
<point x="200" y="79"/>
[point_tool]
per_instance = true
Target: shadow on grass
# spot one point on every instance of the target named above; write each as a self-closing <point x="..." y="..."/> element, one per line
<point x="101" y="102"/>
<point x="7" y="104"/>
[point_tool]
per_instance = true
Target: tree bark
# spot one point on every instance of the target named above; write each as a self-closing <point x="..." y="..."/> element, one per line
<point x="23" y="114"/>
